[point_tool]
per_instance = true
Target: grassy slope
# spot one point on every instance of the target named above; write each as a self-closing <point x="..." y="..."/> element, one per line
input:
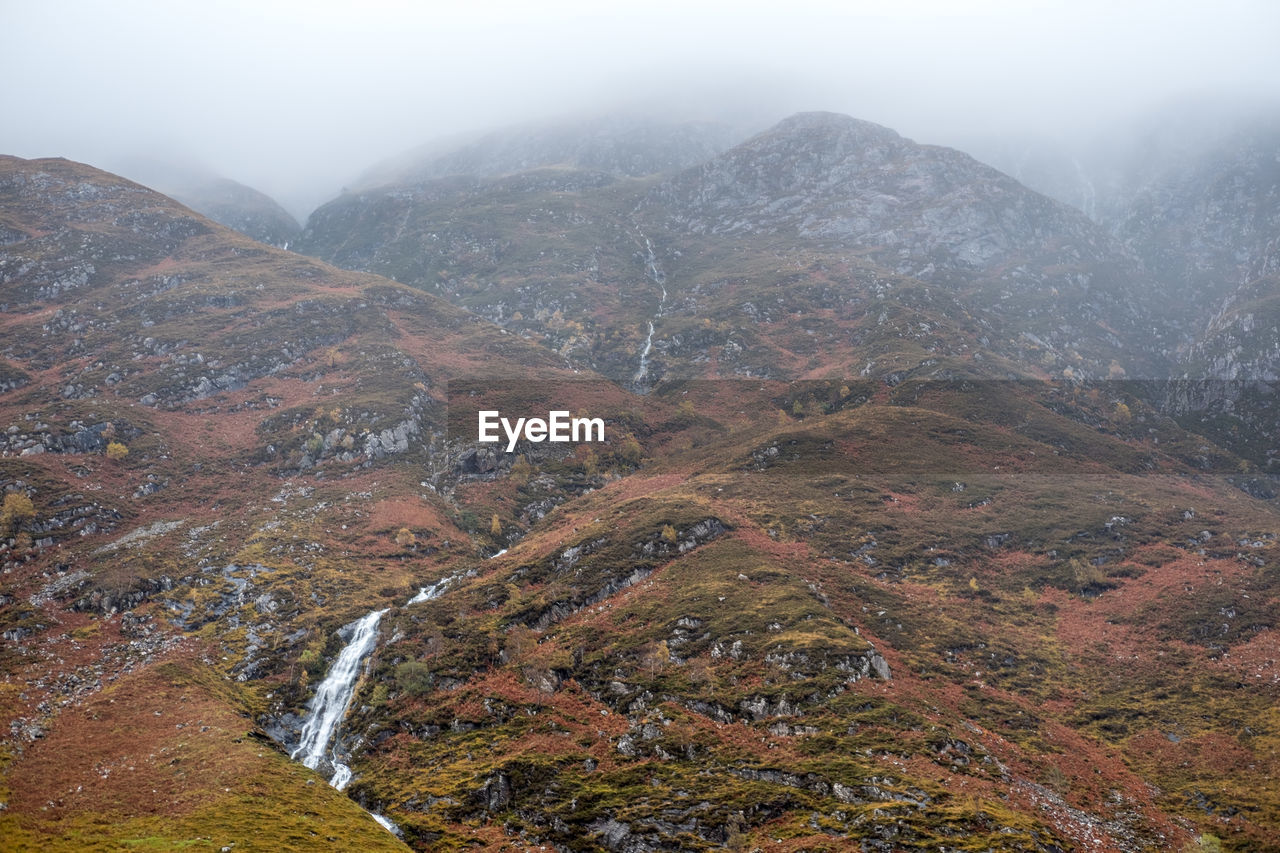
<point x="319" y="349"/>
<point x="168" y="758"/>
<point x="1004" y="693"/>
<point x="1072" y="658"/>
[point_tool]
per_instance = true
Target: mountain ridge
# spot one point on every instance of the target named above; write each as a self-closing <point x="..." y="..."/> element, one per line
<point x="520" y="250"/>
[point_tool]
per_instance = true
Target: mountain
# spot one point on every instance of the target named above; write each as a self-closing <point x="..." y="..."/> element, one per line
<point x="227" y="202"/>
<point x="619" y="145"/>
<point x="1029" y="269"/>
<point x="164" y="377"/>
<point x="1208" y="222"/>
<point x="880" y="558"/>
<point x="241" y="208"/>
<point x="1193" y="194"/>
<point x="785" y="256"/>
<point x="1191" y="191"/>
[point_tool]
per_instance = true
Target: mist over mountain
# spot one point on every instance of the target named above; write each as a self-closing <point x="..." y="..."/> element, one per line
<point x="821" y="190"/>
<point x="297" y="102"/>
<point x="540" y="427"/>
<point x="248" y="211"/>
<point x="888" y="552"/>
<point x="620" y="145"/>
<point x="1191" y="192"/>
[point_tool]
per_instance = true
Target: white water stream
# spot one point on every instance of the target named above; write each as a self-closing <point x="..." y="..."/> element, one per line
<point x="329" y="705"/>
<point x="428" y="593"/>
<point x="655" y="273"/>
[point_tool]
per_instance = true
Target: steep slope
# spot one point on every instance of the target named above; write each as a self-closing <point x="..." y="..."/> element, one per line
<point x="162" y="375"/>
<point x="1192" y="191"/>
<point x="1205" y="219"/>
<point x="1083" y="175"/>
<point x="780" y="258"/>
<point x="241" y="208"/>
<point x="1231" y="380"/>
<point x="1208" y="222"/>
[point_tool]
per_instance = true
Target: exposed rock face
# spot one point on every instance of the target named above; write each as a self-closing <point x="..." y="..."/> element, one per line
<point x="618" y="275"/>
<point x="931" y="213"/>
<point x="41" y="438"/>
<point x="1241" y="342"/>
<point x="607" y="576"/>
<point x="1231" y="378"/>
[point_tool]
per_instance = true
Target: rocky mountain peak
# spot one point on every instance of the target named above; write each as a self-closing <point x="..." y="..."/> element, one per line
<point x="832" y="176"/>
<point x="832" y="128"/>
<point x="808" y="153"/>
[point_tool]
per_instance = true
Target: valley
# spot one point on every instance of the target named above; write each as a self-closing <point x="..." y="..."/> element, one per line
<point x="928" y="513"/>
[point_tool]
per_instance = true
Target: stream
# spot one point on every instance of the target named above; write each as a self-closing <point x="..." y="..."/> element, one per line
<point x="333" y="696"/>
<point x="329" y="705"/>
<point x="658" y="277"/>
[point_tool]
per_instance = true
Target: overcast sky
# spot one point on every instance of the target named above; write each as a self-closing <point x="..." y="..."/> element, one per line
<point x="296" y="98"/>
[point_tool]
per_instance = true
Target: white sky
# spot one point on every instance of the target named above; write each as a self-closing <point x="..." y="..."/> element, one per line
<point x="296" y="98"/>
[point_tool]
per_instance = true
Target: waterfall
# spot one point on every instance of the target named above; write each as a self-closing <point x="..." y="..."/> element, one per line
<point x="643" y="370"/>
<point x="387" y="824"/>
<point x="655" y="273"/>
<point x="428" y="593"/>
<point x="329" y="705"/>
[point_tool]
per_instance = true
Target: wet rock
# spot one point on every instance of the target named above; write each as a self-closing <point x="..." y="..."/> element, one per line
<point x="496" y="793"/>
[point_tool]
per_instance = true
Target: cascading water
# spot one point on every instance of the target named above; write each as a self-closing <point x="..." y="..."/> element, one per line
<point x="655" y="273"/>
<point x="329" y="705"/>
<point x="427" y="593"/>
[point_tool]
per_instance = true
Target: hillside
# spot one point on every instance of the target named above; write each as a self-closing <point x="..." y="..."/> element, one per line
<point x="240" y="208"/>
<point x="796" y="253"/>
<point x="1206" y="223"/>
<point x="1190" y="190"/>
<point x="164" y="378"/>
<point x="879" y="559"/>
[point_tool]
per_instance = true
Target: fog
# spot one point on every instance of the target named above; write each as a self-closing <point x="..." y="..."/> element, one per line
<point x="297" y="98"/>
